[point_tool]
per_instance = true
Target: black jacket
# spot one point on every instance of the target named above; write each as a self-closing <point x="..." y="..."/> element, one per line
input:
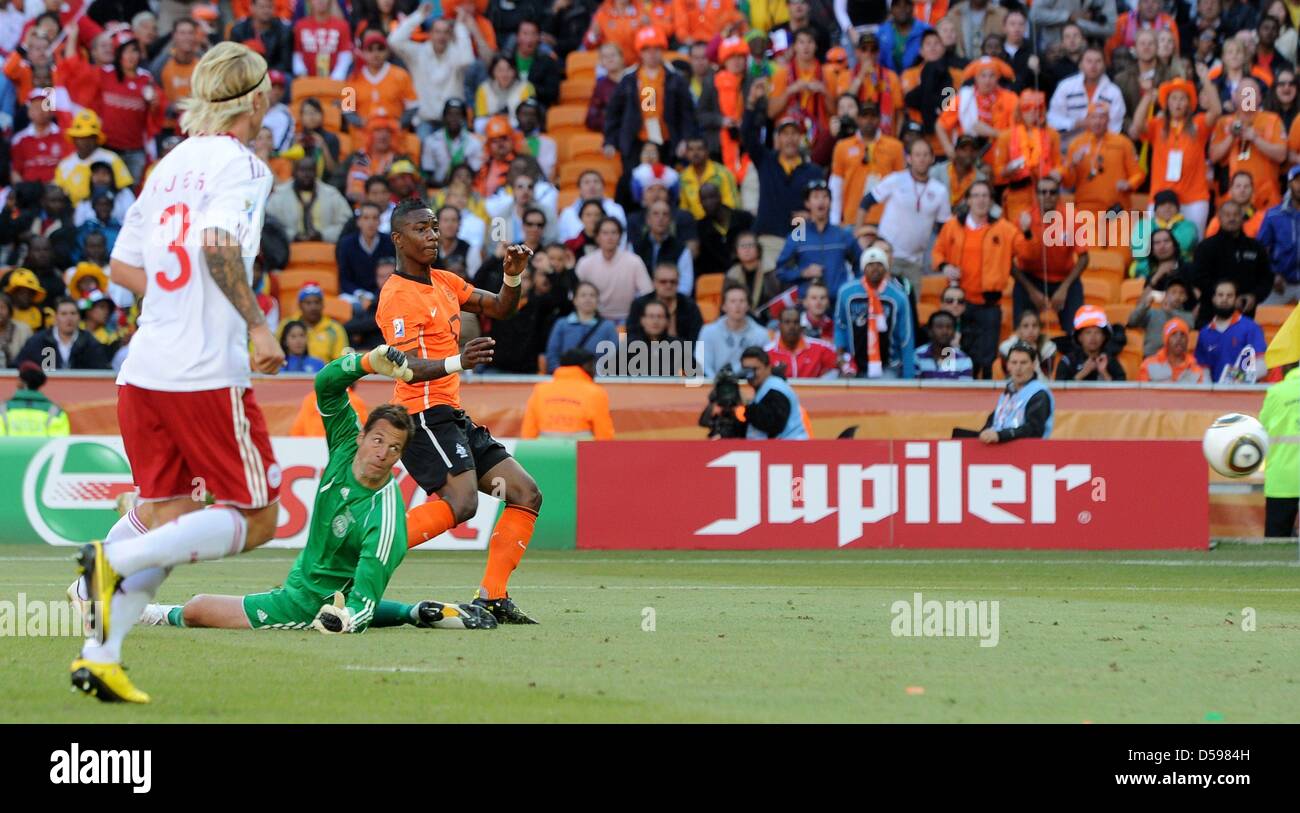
<point x="1232" y="256"/>
<point x="87" y="353"/>
<point x="689" y="318"/>
<point x="545" y="75"/>
<point x="1074" y="360"/>
<point x="718" y="252"/>
<point x="278" y="41"/>
<point x="623" y="116"/>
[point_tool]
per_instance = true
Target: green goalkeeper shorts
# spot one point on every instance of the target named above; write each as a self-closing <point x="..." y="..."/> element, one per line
<point x="281" y="609"/>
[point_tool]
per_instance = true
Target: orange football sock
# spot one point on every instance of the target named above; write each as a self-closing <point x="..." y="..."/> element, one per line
<point x="426" y="521"/>
<point x="509" y="541"/>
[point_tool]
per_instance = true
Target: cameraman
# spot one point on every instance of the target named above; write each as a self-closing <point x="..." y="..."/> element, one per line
<point x="774" y="411"/>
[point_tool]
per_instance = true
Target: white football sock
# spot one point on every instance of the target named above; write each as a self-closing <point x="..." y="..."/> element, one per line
<point x="212" y="533"/>
<point x="128" y="526"/>
<point x="129" y="602"/>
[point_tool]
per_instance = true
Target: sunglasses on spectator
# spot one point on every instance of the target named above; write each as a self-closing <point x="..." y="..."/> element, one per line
<point x="958" y="300"/>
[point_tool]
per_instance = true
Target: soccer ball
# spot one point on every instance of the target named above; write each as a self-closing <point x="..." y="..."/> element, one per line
<point x="1235" y="445"/>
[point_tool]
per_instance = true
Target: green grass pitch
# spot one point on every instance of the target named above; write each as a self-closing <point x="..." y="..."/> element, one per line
<point x="774" y="636"/>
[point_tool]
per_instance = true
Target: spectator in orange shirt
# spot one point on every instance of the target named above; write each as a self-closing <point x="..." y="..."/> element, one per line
<point x="984" y="109"/>
<point x="1023" y="154"/>
<point x="703" y="20"/>
<point x="1148" y="15"/>
<point x="381" y="88"/>
<point x="1102" y="167"/>
<point x="1251" y="140"/>
<point x="1046" y="271"/>
<point x="616" y="22"/>
<point x="571" y="404"/>
<point x="1242" y="191"/>
<point x="377" y="157"/>
<point x="799" y="89"/>
<point x="1178" y="136"/>
<point x="873" y="82"/>
<point x="859" y="163"/>
<point x="1173" y="363"/>
<point x="172" y="67"/>
<point x="976" y="252"/>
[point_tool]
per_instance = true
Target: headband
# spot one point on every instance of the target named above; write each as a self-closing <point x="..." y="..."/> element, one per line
<point x="254" y="87"/>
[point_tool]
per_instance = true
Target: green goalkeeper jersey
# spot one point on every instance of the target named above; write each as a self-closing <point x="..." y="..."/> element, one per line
<point x="357" y="536"/>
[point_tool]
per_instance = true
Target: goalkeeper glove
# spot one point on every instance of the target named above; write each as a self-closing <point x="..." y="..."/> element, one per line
<point x="391" y="362"/>
<point x="334" y="617"/>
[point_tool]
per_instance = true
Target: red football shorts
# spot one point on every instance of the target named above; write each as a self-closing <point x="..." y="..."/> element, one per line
<point x="187" y="443"/>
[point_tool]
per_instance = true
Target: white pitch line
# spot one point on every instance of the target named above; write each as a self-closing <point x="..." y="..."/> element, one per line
<point x="397" y="669"/>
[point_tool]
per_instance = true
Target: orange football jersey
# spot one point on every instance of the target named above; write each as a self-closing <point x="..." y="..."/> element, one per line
<point x="422" y="319"/>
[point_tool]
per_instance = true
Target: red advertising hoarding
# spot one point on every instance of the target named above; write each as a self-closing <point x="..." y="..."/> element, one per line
<point x="742" y="495"/>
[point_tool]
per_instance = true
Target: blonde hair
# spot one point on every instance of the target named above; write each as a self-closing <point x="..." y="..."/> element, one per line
<point x="228" y="69"/>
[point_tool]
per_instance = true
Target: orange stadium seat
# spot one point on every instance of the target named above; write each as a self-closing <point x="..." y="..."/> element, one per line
<point x="1117" y="313"/>
<point x="565" y="198"/>
<point x="581" y="62"/>
<point x="924" y="310"/>
<point x="337" y="309"/>
<point x="1104" y="259"/>
<point x="311" y="254"/>
<point x="580" y="144"/>
<point x="321" y="87"/>
<point x="1133" y="339"/>
<point x="1130" y="290"/>
<point x="1098" y="291"/>
<point x="333" y="121"/>
<point x="567" y="117"/>
<point x="609" y="168"/>
<point x="578" y="89"/>
<point x="932" y="287"/>
<point x="1272" y="315"/>
<point x="345" y="146"/>
<point x="1131" y="365"/>
<point x="327" y="278"/>
<point x="708" y="295"/>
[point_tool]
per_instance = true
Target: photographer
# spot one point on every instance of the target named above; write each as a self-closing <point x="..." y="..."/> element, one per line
<point x="774" y="411"/>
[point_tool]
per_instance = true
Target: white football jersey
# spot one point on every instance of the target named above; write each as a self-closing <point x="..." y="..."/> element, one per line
<point x="189" y="336"/>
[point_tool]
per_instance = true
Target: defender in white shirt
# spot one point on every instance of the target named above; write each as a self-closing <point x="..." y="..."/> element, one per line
<point x="188" y="419"/>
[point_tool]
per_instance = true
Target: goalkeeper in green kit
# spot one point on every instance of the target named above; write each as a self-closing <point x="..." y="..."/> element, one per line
<point x="357" y="536"/>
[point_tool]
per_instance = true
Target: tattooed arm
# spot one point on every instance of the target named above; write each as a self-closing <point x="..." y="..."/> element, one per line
<point x="226" y="264"/>
<point x="501" y="305"/>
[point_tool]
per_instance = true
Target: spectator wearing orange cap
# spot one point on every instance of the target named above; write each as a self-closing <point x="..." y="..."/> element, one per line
<point x="799" y="89"/>
<point x="703" y="20"/>
<point x="729" y="82"/>
<point x="976" y="252"/>
<point x="617" y="22"/>
<point x="500" y="152"/>
<point x="1173" y="364"/>
<point x="984" y="109"/>
<point x="1178" y="136"/>
<point x="651" y="103"/>
<point x="1147" y="16"/>
<point x="1100" y="166"/>
<point x="375" y="158"/>
<point x="1047" y="271"/>
<point x="1251" y="140"/>
<point x="1088" y="360"/>
<point x="872" y="82"/>
<point x="1025" y="153"/>
<point x="382" y="88"/>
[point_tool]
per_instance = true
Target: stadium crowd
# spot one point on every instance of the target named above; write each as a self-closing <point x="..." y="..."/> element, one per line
<point x="861" y="188"/>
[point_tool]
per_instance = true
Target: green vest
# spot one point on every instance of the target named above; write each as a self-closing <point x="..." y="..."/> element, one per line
<point x="30" y="414"/>
<point x="1281" y="417"/>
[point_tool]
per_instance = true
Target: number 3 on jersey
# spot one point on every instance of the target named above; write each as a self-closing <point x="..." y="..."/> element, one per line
<point x="176" y="247"/>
